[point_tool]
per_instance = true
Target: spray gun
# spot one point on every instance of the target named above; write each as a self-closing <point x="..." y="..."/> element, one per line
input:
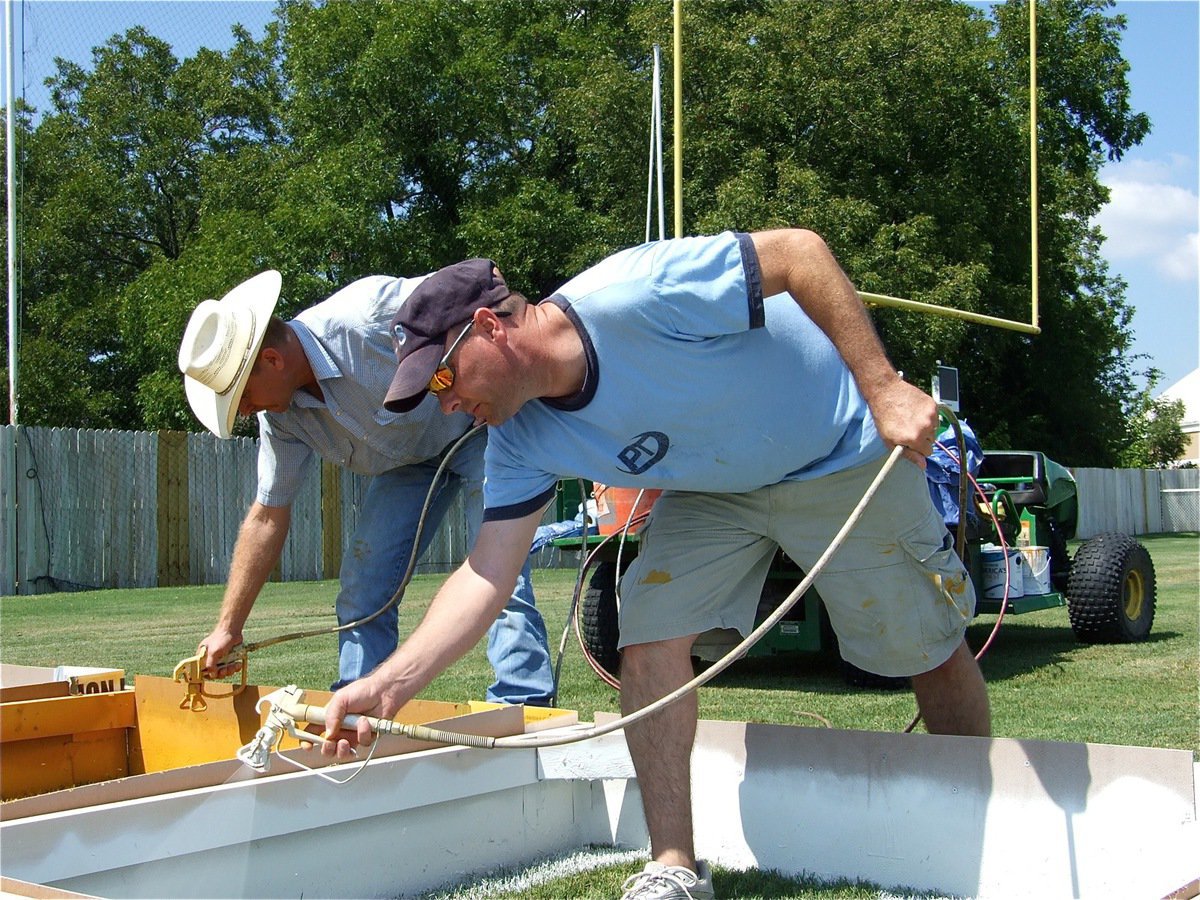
<point x="191" y="671"/>
<point x="257" y="753"/>
<point x="286" y="708"/>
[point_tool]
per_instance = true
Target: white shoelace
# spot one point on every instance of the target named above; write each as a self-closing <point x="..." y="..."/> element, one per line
<point x="641" y="884"/>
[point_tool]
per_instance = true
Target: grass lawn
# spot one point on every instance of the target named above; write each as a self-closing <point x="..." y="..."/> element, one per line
<point x="1043" y="683"/>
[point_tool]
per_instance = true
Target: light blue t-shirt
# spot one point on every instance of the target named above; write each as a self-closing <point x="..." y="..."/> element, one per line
<point x="695" y="382"/>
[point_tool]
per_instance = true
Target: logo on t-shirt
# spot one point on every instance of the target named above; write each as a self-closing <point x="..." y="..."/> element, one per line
<point x="646" y="449"/>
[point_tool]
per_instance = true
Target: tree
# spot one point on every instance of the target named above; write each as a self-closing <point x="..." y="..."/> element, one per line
<point x="400" y="136"/>
<point x="429" y="130"/>
<point x="899" y="131"/>
<point x="1084" y="118"/>
<point x="114" y="183"/>
<point x="1154" y="437"/>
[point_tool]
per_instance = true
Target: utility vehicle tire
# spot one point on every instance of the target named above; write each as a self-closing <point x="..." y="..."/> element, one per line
<point x="1111" y="591"/>
<point x="598" y="615"/>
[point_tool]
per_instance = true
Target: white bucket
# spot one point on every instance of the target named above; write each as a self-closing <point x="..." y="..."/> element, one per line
<point x="992" y="566"/>
<point x="1037" y="570"/>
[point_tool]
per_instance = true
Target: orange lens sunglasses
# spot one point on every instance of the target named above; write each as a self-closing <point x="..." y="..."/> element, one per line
<point x="443" y="375"/>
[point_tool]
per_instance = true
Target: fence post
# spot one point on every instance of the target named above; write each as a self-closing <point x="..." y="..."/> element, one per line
<point x="174" y="567"/>
<point x="9" y="577"/>
<point x="1146" y="529"/>
<point x="331" y="519"/>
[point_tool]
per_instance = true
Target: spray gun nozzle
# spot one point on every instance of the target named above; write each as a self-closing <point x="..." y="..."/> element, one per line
<point x="257" y="753"/>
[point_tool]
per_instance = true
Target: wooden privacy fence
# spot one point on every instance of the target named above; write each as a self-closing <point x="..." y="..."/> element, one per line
<point x="1137" y="501"/>
<point x="114" y="509"/>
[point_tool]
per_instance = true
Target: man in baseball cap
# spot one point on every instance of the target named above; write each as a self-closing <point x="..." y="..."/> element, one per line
<point x="741" y="375"/>
<point x="445" y="299"/>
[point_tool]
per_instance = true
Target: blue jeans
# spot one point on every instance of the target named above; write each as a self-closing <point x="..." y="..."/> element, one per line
<point x="546" y="534"/>
<point x="378" y="557"/>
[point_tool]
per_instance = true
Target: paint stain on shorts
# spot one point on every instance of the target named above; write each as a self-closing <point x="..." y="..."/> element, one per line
<point x="954" y="585"/>
<point x="656" y="576"/>
<point x="950" y="588"/>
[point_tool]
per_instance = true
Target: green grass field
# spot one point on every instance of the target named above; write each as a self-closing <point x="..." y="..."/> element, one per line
<point x="1043" y="683"/>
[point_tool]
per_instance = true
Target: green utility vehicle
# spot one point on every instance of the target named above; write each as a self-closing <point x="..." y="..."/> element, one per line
<point x="1108" y="587"/>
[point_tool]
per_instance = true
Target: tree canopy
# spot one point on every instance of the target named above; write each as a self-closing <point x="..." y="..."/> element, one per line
<point x="397" y="137"/>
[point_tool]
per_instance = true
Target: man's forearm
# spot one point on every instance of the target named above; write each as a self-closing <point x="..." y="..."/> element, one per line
<point x="800" y="263"/>
<point x="459" y="616"/>
<point x="463" y="610"/>
<point x="259" y="545"/>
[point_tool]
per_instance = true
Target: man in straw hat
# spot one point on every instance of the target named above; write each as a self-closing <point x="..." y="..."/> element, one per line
<point x="741" y="374"/>
<point x="317" y="384"/>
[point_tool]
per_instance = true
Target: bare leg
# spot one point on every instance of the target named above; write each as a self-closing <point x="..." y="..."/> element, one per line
<point x="661" y="746"/>
<point x="953" y="697"/>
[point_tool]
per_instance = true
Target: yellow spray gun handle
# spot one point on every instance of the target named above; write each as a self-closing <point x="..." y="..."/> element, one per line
<point x="191" y="670"/>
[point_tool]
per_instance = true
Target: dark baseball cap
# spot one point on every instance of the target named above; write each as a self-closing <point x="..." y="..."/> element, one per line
<point x="446" y="298"/>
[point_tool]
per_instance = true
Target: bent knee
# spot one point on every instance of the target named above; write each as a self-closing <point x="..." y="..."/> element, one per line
<point x="652" y="654"/>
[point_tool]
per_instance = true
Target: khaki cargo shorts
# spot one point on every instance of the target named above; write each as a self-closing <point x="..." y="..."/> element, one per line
<point x="896" y="593"/>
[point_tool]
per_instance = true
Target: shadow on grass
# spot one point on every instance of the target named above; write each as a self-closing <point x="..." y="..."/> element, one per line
<point x="1018" y="650"/>
<point x="817" y="672"/>
<point x="761" y="883"/>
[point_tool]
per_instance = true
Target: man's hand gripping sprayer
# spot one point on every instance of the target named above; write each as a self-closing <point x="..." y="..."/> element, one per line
<point x="286" y="709"/>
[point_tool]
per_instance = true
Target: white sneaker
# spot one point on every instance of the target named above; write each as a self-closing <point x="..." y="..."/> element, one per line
<point x="660" y="882"/>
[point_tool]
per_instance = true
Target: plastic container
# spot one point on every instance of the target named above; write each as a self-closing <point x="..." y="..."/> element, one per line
<point x="992" y="571"/>
<point x="1037" y="570"/>
<point x="615" y="507"/>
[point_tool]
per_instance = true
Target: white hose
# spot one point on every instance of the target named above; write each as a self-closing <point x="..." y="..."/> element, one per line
<point x="550" y="740"/>
<point x="526" y="741"/>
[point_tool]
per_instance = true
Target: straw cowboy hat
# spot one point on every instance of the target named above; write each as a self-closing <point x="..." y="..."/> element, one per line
<point x="219" y="347"/>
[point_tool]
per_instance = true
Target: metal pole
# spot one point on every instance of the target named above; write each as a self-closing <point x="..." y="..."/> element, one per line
<point x="658" y="142"/>
<point x="11" y="170"/>
<point x="948" y="311"/>
<point x="677" y="89"/>
<point x="11" y="578"/>
<point x="654" y="137"/>
<point x="1033" y="163"/>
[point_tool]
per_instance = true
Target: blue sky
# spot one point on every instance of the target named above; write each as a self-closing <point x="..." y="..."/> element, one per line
<point x="1151" y="222"/>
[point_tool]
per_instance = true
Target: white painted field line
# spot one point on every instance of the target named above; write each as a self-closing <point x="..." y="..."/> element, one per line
<point x="586" y="860"/>
<point x="541" y="872"/>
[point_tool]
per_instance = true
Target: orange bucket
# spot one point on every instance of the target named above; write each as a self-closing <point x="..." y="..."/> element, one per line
<point x="614" y="507"/>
